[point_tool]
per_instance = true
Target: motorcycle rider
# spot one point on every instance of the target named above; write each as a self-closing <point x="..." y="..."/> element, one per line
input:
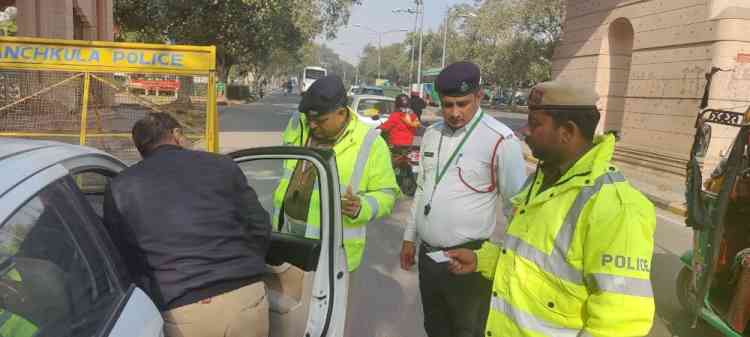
<point x="402" y="124"/>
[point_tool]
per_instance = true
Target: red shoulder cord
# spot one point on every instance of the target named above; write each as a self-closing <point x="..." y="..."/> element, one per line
<point x="493" y="174"/>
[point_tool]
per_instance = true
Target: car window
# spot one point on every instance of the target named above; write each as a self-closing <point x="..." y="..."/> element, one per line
<point x="285" y="190"/>
<point x="92" y="184"/>
<point x="372" y="91"/>
<point x="369" y="107"/>
<point x="54" y="274"/>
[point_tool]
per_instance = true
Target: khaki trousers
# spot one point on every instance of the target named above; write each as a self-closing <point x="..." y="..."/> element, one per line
<point x="241" y="312"/>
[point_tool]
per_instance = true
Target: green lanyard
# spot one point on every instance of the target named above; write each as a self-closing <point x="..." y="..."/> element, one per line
<point x="439" y="177"/>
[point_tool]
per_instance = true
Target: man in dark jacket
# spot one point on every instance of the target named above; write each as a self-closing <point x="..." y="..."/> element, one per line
<point x="192" y="234"/>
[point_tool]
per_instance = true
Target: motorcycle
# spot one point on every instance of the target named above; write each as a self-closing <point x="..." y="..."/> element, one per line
<point x="405" y="161"/>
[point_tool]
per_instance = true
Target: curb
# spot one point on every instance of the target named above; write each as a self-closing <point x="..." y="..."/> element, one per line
<point x="674" y="207"/>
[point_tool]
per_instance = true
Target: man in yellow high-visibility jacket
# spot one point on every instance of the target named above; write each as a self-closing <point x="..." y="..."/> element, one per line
<point x="575" y="259"/>
<point x="367" y="180"/>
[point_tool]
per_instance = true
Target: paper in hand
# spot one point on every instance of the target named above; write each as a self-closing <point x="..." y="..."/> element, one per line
<point x="438" y="256"/>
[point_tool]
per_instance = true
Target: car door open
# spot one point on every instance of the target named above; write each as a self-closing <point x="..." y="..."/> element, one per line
<point x="308" y="279"/>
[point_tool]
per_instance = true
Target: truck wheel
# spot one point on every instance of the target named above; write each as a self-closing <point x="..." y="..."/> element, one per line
<point x="684" y="288"/>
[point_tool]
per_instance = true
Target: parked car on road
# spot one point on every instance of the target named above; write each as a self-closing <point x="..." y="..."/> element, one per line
<point x="70" y="281"/>
<point x="372" y="110"/>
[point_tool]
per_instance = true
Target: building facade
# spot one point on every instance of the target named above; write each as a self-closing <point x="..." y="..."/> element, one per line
<point x="64" y="19"/>
<point x="647" y="59"/>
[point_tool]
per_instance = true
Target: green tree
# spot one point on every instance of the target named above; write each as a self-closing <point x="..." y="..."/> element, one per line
<point x="248" y="31"/>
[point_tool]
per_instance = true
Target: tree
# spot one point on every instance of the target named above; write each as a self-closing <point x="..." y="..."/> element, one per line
<point x="242" y="30"/>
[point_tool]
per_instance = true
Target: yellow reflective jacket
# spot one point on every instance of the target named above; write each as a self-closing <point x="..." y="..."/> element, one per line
<point x="12" y="324"/>
<point x="361" y="155"/>
<point x="575" y="259"/>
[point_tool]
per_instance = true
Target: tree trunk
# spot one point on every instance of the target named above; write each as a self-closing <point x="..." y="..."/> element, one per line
<point x="186" y="90"/>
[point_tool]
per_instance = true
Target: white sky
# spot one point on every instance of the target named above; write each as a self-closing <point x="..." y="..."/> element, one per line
<point x="378" y="15"/>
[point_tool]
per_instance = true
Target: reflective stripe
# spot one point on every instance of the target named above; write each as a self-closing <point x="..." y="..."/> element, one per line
<point x="295" y="120"/>
<point x="374" y="206"/>
<point x="288" y="172"/>
<point x="584" y="334"/>
<point x="355" y="233"/>
<point x="390" y="191"/>
<point x="556" y="262"/>
<point x="312" y="232"/>
<point x="623" y="285"/>
<point x="526" y="321"/>
<point x="362" y="156"/>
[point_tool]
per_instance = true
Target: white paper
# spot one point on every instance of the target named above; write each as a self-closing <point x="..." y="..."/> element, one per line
<point x="438" y="256"/>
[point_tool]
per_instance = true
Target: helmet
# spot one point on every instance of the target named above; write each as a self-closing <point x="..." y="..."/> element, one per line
<point x="402" y="101"/>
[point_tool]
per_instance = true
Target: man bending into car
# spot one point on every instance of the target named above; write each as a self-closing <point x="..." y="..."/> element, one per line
<point x="192" y="234"/>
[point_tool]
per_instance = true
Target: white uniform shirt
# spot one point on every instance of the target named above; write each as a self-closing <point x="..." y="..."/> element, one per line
<point x="457" y="213"/>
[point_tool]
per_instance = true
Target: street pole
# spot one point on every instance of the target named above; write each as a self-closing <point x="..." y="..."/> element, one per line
<point x="413" y="45"/>
<point x="445" y="36"/>
<point x="380" y="49"/>
<point x="420" y="9"/>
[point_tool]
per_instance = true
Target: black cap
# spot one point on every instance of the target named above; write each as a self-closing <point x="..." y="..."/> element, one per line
<point x="458" y="79"/>
<point x="323" y="96"/>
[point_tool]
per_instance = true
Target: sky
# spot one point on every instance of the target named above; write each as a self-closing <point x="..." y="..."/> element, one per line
<point x="378" y="15"/>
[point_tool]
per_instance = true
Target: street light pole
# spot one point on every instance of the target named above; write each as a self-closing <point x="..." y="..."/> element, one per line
<point x="380" y="39"/>
<point x="413" y="48"/>
<point x="420" y="11"/>
<point x="445" y="37"/>
<point x="380" y="50"/>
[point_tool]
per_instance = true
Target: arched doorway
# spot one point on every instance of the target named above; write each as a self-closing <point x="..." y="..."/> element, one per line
<point x="621" y="37"/>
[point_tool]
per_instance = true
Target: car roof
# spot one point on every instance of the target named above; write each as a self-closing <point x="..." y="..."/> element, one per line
<point x="22" y="158"/>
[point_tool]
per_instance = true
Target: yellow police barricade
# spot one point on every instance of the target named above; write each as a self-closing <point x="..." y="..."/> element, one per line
<point x="91" y="92"/>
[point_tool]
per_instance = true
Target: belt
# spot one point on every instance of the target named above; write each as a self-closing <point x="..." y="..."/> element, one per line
<point x="476" y="244"/>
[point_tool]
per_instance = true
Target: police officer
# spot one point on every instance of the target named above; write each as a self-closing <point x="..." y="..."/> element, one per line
<point x="469" y="161"/>
<point x="362" y="158"/>
<point x="575" y="260"/>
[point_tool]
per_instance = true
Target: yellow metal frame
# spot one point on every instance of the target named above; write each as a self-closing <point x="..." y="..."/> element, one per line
<point x="204" y="53"/>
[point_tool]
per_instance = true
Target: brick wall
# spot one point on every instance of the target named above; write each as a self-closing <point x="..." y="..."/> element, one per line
<point x="653" y="95"/>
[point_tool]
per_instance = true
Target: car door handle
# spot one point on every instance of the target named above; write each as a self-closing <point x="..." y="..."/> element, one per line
<point x="320" y="298"/>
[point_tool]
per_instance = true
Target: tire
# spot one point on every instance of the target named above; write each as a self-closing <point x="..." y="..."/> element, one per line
<point x="684" y="289"/>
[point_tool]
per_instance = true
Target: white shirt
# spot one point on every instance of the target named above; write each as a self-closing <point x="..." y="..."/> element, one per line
<point x="457" y="213"/>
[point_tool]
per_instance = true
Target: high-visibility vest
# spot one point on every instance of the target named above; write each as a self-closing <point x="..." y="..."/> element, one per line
<point x="575" y="260"/>
<point x="12" y="325"/>
<point x="363" y="161"/>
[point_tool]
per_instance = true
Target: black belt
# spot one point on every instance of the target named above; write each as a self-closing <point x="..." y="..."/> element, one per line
<point x="476" y="244"/>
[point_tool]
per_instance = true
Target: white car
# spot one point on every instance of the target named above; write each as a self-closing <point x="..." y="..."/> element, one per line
<point x="72" y="279"/>
<point x="371" y="109"/>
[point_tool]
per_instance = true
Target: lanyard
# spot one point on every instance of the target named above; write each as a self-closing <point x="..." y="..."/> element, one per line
<point x="439" y="177"/>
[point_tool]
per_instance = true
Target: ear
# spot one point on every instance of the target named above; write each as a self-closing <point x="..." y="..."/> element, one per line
<point x="568" y="131"/>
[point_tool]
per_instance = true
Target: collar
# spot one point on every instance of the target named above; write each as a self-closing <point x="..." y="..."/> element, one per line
<point x="450" y="132"/>
<point x="164" y="148"/>
<point x="345" y="141"/>
<point x="593" y="163"/>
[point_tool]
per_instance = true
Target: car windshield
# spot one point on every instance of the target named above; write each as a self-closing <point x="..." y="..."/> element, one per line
<point x="369" y="107"/>
<point x="372" y="91"/>
<point x="314" y="74"/>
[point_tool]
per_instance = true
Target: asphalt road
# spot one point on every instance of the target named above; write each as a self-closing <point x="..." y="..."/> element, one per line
<point x="385" y="300"/>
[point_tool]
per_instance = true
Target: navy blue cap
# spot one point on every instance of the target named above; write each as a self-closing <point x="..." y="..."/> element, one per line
<point x="458" y="79"/>
<point x="324" y="96"/>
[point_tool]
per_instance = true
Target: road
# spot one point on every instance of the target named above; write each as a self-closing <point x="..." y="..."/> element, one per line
<point x="397" y="311"/>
